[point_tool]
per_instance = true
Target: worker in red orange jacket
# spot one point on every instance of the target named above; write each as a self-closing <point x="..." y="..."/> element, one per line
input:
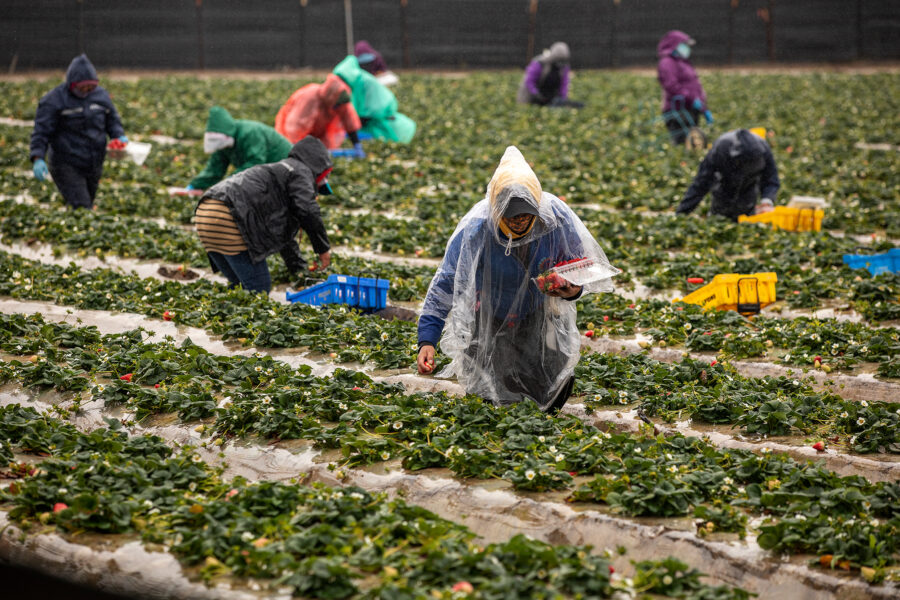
<point x="324" y="111"/>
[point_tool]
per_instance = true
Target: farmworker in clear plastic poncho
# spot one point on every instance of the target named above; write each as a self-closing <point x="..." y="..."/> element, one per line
<point x="260" y="211"/>
<point x="681" y="88"/>
<point x="737" y="170"/>
<point x="509" y="340"/>
<point x="546" y="79"/>
<point x="322" y="110"/>
<point x="375" y="104"/>
<point x="71" y="126"/>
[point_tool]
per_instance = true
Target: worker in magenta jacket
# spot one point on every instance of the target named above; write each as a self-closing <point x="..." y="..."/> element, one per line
<point x="681" y="87"/>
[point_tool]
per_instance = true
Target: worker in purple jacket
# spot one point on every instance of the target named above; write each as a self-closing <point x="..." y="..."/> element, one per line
<point x="681" y="87"/>
<point x="546" y="79"/>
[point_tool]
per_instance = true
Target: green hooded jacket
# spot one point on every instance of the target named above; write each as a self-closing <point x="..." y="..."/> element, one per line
<point x="254" y="144"/>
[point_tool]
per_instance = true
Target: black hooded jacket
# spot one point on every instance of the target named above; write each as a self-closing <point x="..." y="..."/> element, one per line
<point x="75" y="128"/>
<point x="270" y="203"/>
<point x="738" y="169"/>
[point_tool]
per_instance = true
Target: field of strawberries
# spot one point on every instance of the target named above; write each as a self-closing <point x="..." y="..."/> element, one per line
<point x="265" y="449"/>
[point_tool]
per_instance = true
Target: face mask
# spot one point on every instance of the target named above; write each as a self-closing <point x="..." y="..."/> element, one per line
<point x="683" y="50"/>
<point x="83" y="90"/>
<point x="213" y="142"/>
<point x="322" y="186"/>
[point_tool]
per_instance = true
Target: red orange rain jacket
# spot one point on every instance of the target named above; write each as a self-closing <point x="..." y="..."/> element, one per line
<point x="312" y="110"/>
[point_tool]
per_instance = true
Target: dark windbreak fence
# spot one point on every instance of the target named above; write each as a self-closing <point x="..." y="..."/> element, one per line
<point x="275" y="34"/>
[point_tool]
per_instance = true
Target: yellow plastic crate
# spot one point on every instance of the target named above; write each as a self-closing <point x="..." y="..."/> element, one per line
<point x="746" y="294"/>
<point x="789" y="218"/>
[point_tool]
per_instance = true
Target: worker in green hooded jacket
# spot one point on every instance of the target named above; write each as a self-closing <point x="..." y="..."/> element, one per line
<point x="237" y="142"/>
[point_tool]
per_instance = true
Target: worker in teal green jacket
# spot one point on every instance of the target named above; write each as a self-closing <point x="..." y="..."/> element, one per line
<point x="375" y="104"/>
<point x="237" y="142"/>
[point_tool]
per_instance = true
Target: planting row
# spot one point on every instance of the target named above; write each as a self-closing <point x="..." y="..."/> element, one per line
<point x="320" y="542"/>
<point x="813" y="143"/>
<point x="353" y="337"/>
<point x="100" y="234"/>
<point x="716" y="394"/>
<point x="809" y="267"/>
<point x="806" y="508"/>
<point x="689" y="389"/>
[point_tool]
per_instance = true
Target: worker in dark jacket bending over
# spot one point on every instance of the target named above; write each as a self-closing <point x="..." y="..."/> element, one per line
<point x="738" y="170"/>
<point x="71" y="127"/>
<point x="260" y="211"/>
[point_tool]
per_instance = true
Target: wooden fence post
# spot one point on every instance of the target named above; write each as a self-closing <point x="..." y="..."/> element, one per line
<point x="532" y="26"/>
<point x="404" y="33"/>
<point x="201" y="63"/>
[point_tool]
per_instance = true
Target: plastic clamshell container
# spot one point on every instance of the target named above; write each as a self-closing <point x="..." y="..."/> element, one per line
<point x="789" y="218"/>
<point x="733" y="291"/>
<point x="358" y="292"/>
<point x="584" y="271"/>
<point x="886" y="262"/>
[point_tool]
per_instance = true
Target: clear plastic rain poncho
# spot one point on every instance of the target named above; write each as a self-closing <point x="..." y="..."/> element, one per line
<point x="508" y="340"/>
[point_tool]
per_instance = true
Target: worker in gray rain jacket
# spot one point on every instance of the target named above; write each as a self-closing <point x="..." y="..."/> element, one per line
<point x="260" y="211"/>
<point x="508" y="338"/>
<point x="71" y="127"/>
<point x="738" y="170"/>
<point x="242" y="143"/>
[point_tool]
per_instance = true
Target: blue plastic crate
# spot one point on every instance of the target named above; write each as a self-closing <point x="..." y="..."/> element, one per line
<point x="366" y="293"/>
<point x="886" y="262"/>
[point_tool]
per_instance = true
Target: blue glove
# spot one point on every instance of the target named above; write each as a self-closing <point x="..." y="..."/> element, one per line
<point x="189" y="187"/>
<point x="123" y="139"/>
<point x="698" y="104"/>
<point x="708" y="116"/>
<point x="40" y="169"/>
<point x="360" y="153"/>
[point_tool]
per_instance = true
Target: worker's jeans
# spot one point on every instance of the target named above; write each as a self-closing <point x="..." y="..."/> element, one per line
<point x="77" y="186"/>
<point x="239" y="270"/>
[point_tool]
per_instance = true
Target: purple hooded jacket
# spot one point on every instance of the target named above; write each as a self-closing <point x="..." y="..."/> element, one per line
<point x="369" y="58"/>
<point x="676" y="75"/>
<point x="537" y="71"/>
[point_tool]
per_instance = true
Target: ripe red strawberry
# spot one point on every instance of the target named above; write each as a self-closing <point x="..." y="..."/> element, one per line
<point x="126" y="377"/>
<point x="167" y="316"/>
<point x="463" y="586"/>
<point x="589" y="333"/>
<point x="606" y="317"/>
<point x="819" y="446"/>
<point x="59" y="506"/>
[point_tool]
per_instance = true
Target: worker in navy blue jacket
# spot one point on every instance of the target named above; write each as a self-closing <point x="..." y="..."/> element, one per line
<point x="71" y="127"/>
<point x="737" y="170"/>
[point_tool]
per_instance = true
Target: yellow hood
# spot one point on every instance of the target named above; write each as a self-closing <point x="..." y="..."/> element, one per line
<point x="513" y="176"/>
